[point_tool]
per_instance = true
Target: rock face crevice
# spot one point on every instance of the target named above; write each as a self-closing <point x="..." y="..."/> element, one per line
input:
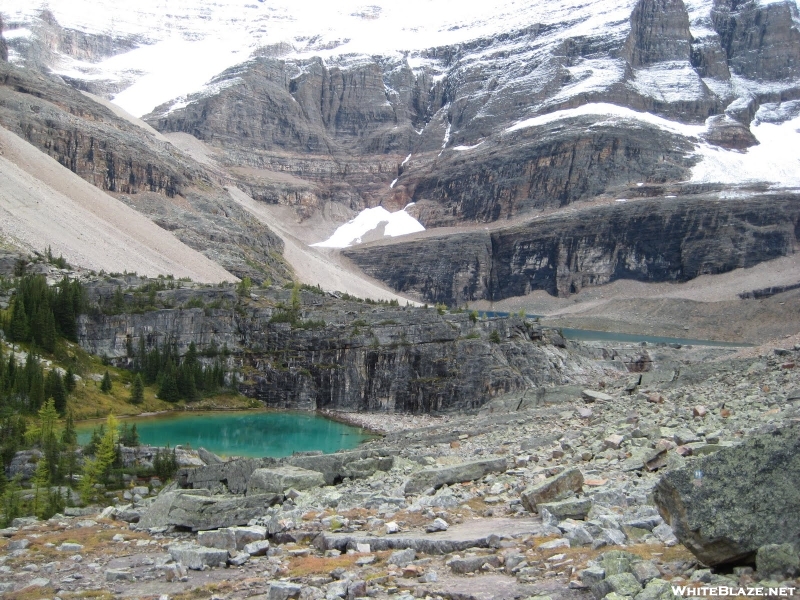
<point x="645" y="240"/>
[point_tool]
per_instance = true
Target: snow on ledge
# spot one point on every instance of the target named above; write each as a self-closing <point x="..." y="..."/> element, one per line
<point x="368" y="220"/>
<point x="605" y="110"/>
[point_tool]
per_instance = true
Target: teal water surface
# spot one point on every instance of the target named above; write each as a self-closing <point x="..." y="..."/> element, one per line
<point x="588" y="335"/>
<point x="253" y="434"/>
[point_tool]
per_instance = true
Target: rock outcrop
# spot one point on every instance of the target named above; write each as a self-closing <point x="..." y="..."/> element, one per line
<point x="645" y="240"/>
<point x="3" y="44"/>
<point x="153" y="177"/>
<point x="726" y="506"/>
<point x="344" y="354"/>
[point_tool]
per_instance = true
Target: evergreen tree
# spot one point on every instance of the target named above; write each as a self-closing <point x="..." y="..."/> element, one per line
<point x="40" y="480"/>
<point x="48" y="336"/>
<point x="137" y="390"/>
<point x="69" y="442"/>
<point x="107" y="450"/>
<point x="169" y="387"/>
<point x="56" y="390"/>
<point x="69" y="380"/>
<point x="105" y="384"/>
<point x="18" y="329"/>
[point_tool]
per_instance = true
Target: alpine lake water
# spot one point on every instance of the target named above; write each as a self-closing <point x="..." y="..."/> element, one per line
<point x="280" y="433"/>
<point x="250" y="433"/>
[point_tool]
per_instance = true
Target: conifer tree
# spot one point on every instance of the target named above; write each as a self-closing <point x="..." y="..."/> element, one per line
<point x="69" y="380"/>
<point x="105" y="384"/>
<point x="137" y="390"/>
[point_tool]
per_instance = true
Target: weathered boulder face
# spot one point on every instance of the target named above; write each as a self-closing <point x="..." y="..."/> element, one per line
<point x="355" y="465"/>
<point x="554" y="488"/>
<point x="646" y="240"/>
<point x="438" y="476"/>
<point x="729" y="504"/>
<point x="231" y="476"/>
<point x="279" y="479"/>
<point x="198" y="510"/>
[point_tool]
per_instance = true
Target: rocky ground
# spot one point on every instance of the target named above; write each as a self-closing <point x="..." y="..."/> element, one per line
<point x="553" y="500"/>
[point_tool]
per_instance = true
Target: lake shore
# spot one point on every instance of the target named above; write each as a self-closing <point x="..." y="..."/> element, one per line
<point x="383" y="423"/>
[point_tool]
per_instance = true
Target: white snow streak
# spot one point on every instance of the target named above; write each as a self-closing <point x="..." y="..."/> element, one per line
<point x="610" y="113"/>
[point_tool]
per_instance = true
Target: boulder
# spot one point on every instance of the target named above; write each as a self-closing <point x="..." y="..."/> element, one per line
<point x="471" y="564"/>
<point x="278" y="479"/>
<point x="402" y="558"/>
<point x="572" y="508"/>
<point x="283" y="590"/>
<point x="224" y="539"/>
<point x="777" y="561"/>
<point x="554" y="488"/>
<point x="197" y="509"/>
<point x="726" y="505"/>
<point x="196" y="557"/>
<point x="438" y="476"/>
<point x="335" y="467"/>
<point x="258" y="548"/>
<point x="594" y="396"/>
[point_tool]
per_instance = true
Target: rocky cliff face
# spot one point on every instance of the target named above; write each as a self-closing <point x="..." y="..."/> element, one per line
<point x="179" y="194"/>
<point x="452" y="112"/>
<point x="351" y="355"/>
<point x="3" y="44"/>
<point x="646" y="240"/>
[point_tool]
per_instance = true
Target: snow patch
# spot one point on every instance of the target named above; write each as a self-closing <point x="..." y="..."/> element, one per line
<point x="609" y="112"/>
<point x="391" y="185"/>
<point x="368" y="220"/>
<point x="776" y="160"/>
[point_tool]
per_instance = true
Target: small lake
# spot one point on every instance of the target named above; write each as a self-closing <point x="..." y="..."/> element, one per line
<point x="588" y="335"/>
<point x="254" y="434"/>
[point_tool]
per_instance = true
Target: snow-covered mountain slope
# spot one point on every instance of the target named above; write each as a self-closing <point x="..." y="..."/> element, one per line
<point x="475" y="113"/>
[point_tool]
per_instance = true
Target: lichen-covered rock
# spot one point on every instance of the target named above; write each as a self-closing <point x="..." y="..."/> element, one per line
<point x="438" y="476"/>
<point x="199" y="510"/>
<point x="777" y="561"/>
<point x="727" y="505"/>
<point x="196" y="557"/>
<point x="554" y="488"/>
<point x="278" y="479"/>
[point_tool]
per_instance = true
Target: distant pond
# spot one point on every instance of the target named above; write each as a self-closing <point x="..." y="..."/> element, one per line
<point x="254" y="434"/>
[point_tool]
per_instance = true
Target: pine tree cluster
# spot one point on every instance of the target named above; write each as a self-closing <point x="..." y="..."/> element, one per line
<point x="178" y="378"/>
<point x="40" y="313"/>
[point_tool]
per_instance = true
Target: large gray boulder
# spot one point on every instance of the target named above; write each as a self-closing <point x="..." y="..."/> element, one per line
<point x="724" y="506"/>
<point x="552" y="489"/>
<point x="233" y="475"/>
<point x="335" y="467"/>
<point x="278" y="479"/>
<point x="197" y="509"/>
<point x="436" y="477"/>
<point x="196" y="557"/>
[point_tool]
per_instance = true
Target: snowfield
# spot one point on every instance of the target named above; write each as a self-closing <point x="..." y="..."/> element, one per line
<point x="371" y="221"/>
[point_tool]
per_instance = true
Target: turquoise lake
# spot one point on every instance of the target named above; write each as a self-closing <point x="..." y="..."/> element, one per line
<point x="253" y="434"/>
